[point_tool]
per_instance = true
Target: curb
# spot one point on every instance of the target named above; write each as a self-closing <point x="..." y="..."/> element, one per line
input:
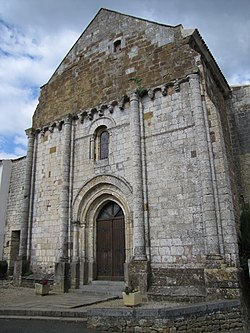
<point x="84" y="314"/>
<point x="66" y="319"/>
<point x="43" y="313"/>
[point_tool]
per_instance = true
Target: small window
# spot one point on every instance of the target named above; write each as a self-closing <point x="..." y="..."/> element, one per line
<point x="117" y="46"/>
<point x="101" y="143"/>
<point x="104" y="144"/>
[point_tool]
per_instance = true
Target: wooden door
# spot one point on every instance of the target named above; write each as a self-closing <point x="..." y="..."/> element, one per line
<point x="110" y="243"/>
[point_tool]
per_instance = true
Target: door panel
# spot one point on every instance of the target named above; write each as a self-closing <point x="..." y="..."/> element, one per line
<point x="104" y="249"/>
<point x="118" y="248"/>
<point x="110" y="243"/>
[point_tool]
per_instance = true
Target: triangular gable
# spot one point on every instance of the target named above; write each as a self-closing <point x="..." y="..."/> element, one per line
<point x="85" y="40"/>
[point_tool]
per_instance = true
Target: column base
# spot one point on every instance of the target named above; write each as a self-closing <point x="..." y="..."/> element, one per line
<point x="138" y="274"/>
<point x="21" y="266"/>
<point x="62" y="277"/>
<point x="75" y="275"/>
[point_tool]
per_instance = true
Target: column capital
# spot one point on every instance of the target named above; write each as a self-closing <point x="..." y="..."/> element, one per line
<point x="193" y="76"/>
<point x="134" y="97"/>
<point x="68" y="119"/>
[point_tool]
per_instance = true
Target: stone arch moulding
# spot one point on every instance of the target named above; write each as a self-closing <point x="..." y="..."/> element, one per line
<point x="86" y="207"/>
<point x="103" y="121"/>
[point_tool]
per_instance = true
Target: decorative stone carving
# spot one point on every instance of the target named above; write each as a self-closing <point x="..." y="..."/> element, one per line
<point x="91" y="113"/>
<point x="51" y="127"/>
<point x="177" y="87"/>
<point x="82" y="115"/>
<point x="122" y="101"/>
<point x="90" y="116"/>
<point x="151" y="94"/>
<point x="111" y="108"/>
<point x="101" y="110"/>
<point x="164" y="90"/>
<point x="59" y="125"/>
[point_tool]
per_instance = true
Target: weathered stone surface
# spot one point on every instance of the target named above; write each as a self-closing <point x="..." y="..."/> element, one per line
<point x="94" y="72"/>
<point x="213" y="317"/>
<point x="14" y="212"/>
<point x="240" y="123"/>
<point x="171" y="166"/>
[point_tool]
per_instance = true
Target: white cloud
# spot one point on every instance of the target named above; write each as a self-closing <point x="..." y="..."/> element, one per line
<point x="25" y="65"/>
<point x="8" y="156"/>
<point x="36" y="35"/>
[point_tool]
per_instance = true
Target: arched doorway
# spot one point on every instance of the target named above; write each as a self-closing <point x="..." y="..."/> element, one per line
<point x="110" y="242"/>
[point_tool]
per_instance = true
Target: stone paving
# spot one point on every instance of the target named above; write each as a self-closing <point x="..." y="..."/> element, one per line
<point x="20" y="302"/>
<point x="23" y="298"/>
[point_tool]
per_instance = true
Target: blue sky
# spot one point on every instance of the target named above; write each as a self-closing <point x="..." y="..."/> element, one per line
<point x="36" y="35"/>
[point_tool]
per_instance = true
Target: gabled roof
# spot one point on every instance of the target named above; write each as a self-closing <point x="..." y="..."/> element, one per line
<point x="193" y="34"/>
<point x="113" y="12"/>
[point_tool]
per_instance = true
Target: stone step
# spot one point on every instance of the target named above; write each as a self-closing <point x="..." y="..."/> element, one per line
<point x="177" y="293"/>
<point x="110" y="288"/>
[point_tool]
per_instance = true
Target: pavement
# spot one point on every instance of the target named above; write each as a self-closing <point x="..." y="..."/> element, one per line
<point x="21" y="302"/>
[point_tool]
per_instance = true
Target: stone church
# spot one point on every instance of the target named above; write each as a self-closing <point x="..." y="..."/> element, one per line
<point x="137" y="164"/>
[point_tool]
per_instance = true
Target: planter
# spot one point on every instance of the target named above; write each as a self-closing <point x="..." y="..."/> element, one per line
<point x="41" y="289"/>
<point x="132" y="299"/>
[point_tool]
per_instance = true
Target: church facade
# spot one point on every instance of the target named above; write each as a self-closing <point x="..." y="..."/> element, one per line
<point x="136" y="165"/>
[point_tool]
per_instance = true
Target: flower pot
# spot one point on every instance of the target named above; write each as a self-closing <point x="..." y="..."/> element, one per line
<point x="132" y="299"/>
<point x="41" y="289"/>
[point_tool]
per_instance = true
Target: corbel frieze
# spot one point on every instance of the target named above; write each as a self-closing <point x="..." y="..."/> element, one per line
<point x="99" y="110"/>
<point x="168" y="88"/>
<point x="51" y="127"/>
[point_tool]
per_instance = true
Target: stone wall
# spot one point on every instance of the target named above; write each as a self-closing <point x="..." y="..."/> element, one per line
<point x="240" y="124"/>
<point x="5" y="173"/>
<point x="173" y="179"/>
<point x="92" y="71"/>
<point x="209" y="317"/>
<point x="14" y="207"/>
<point x="46" y="212"/>
<point x="223" y="167"/>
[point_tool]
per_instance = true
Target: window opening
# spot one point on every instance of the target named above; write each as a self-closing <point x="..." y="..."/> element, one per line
<point x="101" y="143"/>
<point x="117" y="45"/>
<point x="104" y="143"/>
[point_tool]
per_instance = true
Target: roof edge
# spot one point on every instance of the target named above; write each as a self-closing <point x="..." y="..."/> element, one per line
<point x="210" y="60"/>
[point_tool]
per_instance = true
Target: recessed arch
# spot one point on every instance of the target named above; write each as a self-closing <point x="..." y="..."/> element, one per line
<point x="90" y="200"/>
<point x="104" y="121"/>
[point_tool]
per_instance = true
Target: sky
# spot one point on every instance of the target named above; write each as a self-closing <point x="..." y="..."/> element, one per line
<point x="36" y="35"/>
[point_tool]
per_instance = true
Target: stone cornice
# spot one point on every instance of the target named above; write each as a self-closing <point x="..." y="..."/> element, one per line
<point x="83" y="115"/>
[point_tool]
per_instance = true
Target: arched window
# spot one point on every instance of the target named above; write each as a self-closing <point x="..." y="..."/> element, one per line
<point x="102" y="143"/>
